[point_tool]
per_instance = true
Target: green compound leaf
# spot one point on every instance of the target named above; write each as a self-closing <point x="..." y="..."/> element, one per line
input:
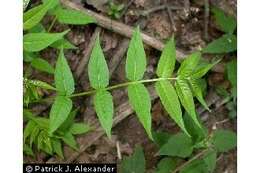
<point x="74" y="17"/>
<point x="140" y="100"/>
<point x="189" y="64"/>
<point x="179" y="145"/>
<point x="202" y="68"/>
<point x="167" y="60"/>
<point x="97" y="68"/>
<point x="79" y="128"/>
<point x="63" y="77"/>
<point x="35" y="15"/>
<point x="59" y="112"/>
<point x="225" y="44"/>
<point x="57" y="147"/>
<point x="42" y="65"/>
<point x="136" y="59"/>
<point x="34" y="42"/>
<point x="170" y="102"/>
<point x="69" y="139"/>
<point x="103" y="102"/>
<point x="224" y="140"/>
<point x="197" y="91"/>
<point x="227" y="23"/>
<point x="185" y="95"/>
<point x="134" y="163"/>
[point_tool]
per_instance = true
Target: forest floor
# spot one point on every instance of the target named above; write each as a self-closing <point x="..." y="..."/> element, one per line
<point x="186" y="20"/>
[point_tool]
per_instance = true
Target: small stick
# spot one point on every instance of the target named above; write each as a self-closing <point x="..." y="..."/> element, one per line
<point x="118" y="151"/>
<point x="86" y="53"/>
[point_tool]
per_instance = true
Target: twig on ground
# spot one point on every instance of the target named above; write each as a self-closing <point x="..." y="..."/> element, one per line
<point x="83" y="62"/>
<point x="118" y="151"/>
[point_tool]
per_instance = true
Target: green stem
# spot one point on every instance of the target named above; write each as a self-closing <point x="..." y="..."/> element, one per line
<point x="52" y="23"/>
<point x="90" y="92"/>
<point x="121" y="85"/>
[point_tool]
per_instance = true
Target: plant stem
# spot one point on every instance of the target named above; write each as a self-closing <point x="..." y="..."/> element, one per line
<point x="121" y="85"/>
<point x="52" y="23"/>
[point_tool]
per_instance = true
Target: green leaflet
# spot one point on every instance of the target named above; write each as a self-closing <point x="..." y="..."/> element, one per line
<point x="35" y="15"/>
<point x="231" y="70"/>
<point x="27" y="150"/>
<point x="225" y="44"/>
<point x="198" y="92"/>
<point x="39" y="84"/>
<point x="134" y="163"/>
<point x="189" y="64"/>
<point x="73" y="17"/>
<point x="205" y="165"/>
<point x="166" y="165"/>
<point x="202" y="69"/>
<point x="178" y="145"/>
<point x="170" y="102"/>
<point x="59" y="112"/>
<point x="197" y="134"/>
<point x="37" y="29"/>
<point x="186" y="98"/>
<point x="57" y="147"/>
<point x="44" y="142"/>
<point x="210" y="159"/>
<point x="224" y="140"/>
<point x="167" y="60"/>
<point x="63" y="43"/>
<point x="33" y="136"/>
<point x="68" y="138"/>
<point x="227" y="23"/>
<point x="63" y="77"/>
<point x="161" y="138"/>
<point x="28" y="130"/>
<point x="140" y="100"/>
<point x="196" y="166"/>
<point x="79" y="128"/>
<point x="103" y="102"/>
<point x="97" y="68"/>
<point x="136" y="60"/>
<point x="34" y="42"/>
<point x="42" y="65"/>
<point x="69" y="121"/>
